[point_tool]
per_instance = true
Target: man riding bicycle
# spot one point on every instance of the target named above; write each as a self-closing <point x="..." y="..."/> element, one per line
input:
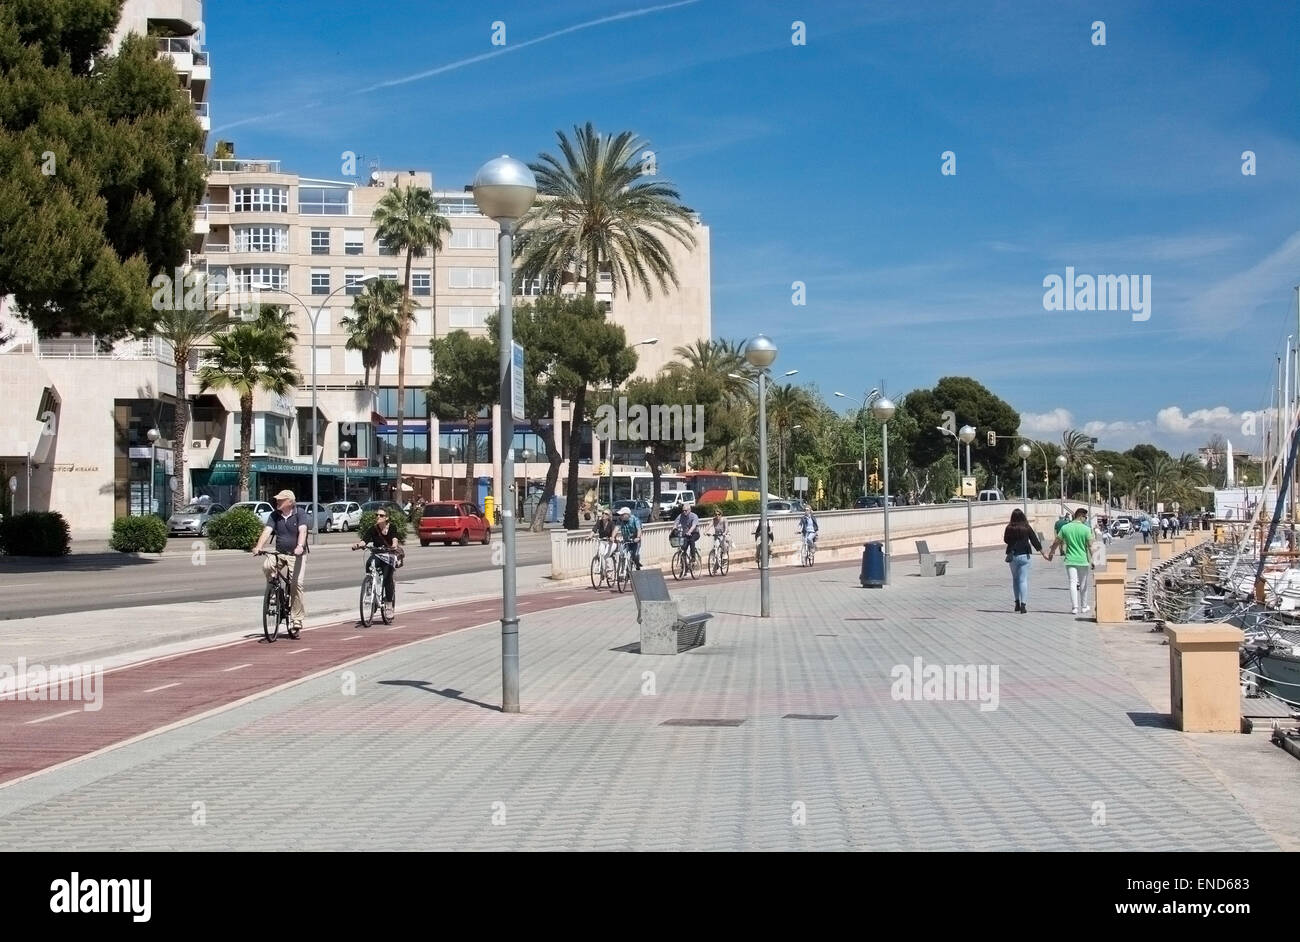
<point x="688" y="525"/>
<point x="808" y="527"/>
<point x="385" y="538"/>
<point x="288" y="526"/>
<point x="629" y="531"/>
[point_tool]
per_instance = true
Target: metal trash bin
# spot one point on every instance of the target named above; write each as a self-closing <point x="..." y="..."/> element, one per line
<point x="873" y="565"/>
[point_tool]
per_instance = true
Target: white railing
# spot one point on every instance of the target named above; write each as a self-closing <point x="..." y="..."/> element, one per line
<point x="216" y="247"/>
<point x="200" y="58"/>
<point x="89" y="348"/>
<point x="244" y="166"/>
<point x="173" y="44"/>
<point x="944" y="525"/>
<point x="215" y="208"/>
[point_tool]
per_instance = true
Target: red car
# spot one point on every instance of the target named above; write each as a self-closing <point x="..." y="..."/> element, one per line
<point x="449" y="520"/>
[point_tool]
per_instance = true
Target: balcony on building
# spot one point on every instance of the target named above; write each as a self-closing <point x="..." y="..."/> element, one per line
<point x="201" y="112"/>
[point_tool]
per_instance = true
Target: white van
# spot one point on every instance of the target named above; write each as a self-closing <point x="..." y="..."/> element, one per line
<point x="668" y="501"/>
<point x="991" y="495"/>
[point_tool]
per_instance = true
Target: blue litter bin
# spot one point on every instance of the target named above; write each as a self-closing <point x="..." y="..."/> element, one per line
<point x="873" y="565"/>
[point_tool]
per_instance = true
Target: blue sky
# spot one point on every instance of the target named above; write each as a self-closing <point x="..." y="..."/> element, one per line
<point x="821" y="163"/>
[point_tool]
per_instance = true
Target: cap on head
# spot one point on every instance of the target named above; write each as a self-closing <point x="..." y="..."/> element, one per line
<point x="285" y="495"/>
<point x="625" y="512"/>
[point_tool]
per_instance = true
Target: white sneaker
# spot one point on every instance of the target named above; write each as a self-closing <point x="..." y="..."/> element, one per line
<point x="1087" y="609"/>
<point x="1074" y="611"/>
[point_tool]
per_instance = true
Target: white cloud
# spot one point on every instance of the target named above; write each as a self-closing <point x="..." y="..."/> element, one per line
<point x="1040" y="424"/>
<point x="1174" y="421"/>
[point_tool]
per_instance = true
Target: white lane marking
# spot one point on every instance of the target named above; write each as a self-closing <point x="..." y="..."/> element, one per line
<point x="131" y="595"/>
<point x="440" y="618"/>
<point x="54" y="717"/>
<point x="299" y="650"/>
<point x="350" y="638"/>
<point x="163" y="687"/>
<point x="237" y="667"/>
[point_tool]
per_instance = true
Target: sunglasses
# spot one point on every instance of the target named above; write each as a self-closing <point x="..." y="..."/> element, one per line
<point x="382" y="516"/>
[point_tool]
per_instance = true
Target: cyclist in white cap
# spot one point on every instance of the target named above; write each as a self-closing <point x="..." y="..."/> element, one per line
<point x="288" y="527"/>
<point x="629" y="532"/>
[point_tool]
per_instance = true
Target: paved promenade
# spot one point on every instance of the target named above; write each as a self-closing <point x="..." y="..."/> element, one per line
<point x="819" y="753"/>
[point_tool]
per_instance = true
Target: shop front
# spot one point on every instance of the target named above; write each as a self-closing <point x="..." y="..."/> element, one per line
<point x="269" y="476"/>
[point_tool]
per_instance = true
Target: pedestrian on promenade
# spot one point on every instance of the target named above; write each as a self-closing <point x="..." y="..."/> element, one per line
<point x="1145" y="527"/>
<point x="1076" y="540"/>
<point x="1021" y="541"/>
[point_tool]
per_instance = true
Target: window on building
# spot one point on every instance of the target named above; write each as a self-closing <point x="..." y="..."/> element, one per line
<point x="454" y="444"/>
<point x="388" y="274"/>
<point x="466" y="237"/>
<point x="352" y="279"/>
<point x="384" y="248"/>
<point x="320" y="242"/>
<point x="271" y="276"/>
<point x="322" y="359"/>
<point x="324" y="200"/>
<point x="472" y="277"/>
<point x="528" y="287"/>
<point x="353" y="365"/>
<point x="421" y="361"/>
<point x="420" y="283"/>
<point x="457" y="206"/>
<point x="304" y="430"/>
<point x="354" y="241"/>
<point x="423" y="321"/>
<point x="469" y="316"/>
<point x="261" y="199"/>
<point x="415" y="446"/>
<point x="261" y="238"/>
<point x="415" y="402"/>
<point x="320" y="281"/>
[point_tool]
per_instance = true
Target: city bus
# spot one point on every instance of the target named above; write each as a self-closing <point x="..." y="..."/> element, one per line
<point x="712" y="487"/>
<point x="631" y="485"/>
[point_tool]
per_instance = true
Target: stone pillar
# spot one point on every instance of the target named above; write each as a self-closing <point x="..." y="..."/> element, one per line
<point x="1180" y="544"/>
<point x="1204" y="690"/>
<point x="1142" y="557"/>
<point x="1164" y="549"/>
<point x="1110" y="597"/>
<point x="1117" y="562"/>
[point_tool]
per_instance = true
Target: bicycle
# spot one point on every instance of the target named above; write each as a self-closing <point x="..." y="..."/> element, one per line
<point x="277" y="602"/>
<point x="623" y="567"/>
<point x="372" y="587"/>
<point x="601" y="566"/>
<point x="683" y="559"/>
<point x="719" y="557"/>
<point x="808" y="552"/>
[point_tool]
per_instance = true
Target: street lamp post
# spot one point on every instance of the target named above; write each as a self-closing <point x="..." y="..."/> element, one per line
<point x="504" y="189"/>
<point x="345" y="447"/>
<point x="1025" y="451"/>
<point x="312" y="317"/>
<point x="452" y="451"/>
<point x="1061" y="462"/>
<point x="883" y="409"/>
<point x="967" y="435"/>
<point x="863" y="405"/>
<point x="1110" y="476"/>
<point x="153" y="437"/>
<point x="526" y="454"/>
<point x="1087" y="475"/>
<point x="760" y="353"/>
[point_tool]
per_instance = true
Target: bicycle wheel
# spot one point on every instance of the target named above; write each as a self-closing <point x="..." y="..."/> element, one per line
<point x="726" y="562"/>
<point x="694" y="566"/>
<point x="623" y="573"/>
<point x="271" y="611"/>
<point x="597" y="571"/>
<point x="367" y="600"/>
<point x="285" y="604"/>
<point x="384" y="612"/>
<point x="715" y="564"/>
<point x="679" y="565"/>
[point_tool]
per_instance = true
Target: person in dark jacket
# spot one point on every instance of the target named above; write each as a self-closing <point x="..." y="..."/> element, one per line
<point x="1021" y="541"/>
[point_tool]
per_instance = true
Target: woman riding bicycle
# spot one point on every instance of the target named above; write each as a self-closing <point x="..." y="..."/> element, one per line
<point x="385" y="538"/>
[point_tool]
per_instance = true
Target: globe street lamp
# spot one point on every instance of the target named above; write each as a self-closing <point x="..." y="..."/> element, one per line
<point x="1087" y="476"/>
<point x="504" y="189"/>
<point x="1061" y="462"/>
<point x="760" y="353"/>
<point x="862" y="403"/>
<point x="452" y="452"/>
<point x="1024" y="451"/>
<point x="153" y="437"/>
<point x="1110" y="476"/>
<point x="883" y="409"/>
<point x="527" y="454"/>
<point x="967" y="435"/>
<point x="345" y="447"/>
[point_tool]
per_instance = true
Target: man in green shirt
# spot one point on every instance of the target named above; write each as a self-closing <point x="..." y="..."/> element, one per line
<point x="1076" y="539"/>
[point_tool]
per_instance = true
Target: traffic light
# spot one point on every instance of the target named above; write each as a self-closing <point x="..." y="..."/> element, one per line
<point x="876" y="462"/>
<point x="993" y="439"/>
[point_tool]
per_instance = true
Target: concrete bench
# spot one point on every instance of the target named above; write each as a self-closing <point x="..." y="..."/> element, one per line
<point x="664" y="629"/>
<point x="931" y="565"/>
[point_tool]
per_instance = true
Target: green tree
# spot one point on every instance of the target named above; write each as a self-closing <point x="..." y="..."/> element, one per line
<point x="375" y="323"/>
<point x="661" y="448"/>
<point x="102" y="168"/>
<point x="406" y="220"/>
<point x="974" y="405"/>
<point x="787" y="406"/>
<point x="719" y="380"/>
<point x="248" y="357"/>
<point x="467" y="383"/>
<point x="185" y="329"/>
<point x="598" y="211"/>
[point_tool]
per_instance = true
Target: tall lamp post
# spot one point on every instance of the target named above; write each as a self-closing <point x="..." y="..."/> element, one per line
<point x="967" y="435"/>
<point x="1024" y="451"/>
<point x="504" y="189"/>
<point x="312" y="316"/>
<point x="760" y="353"/>
<point x="1110" y="476"/>
<point x="526" y="454"/>
<point x="1087" y="475"/>
<point x="153" y="437"/>
<point x="883" y="409"/>
<point x="452" y="451"/>
<point x="862" y="404"/>
<point x="345" y="447"/>
<point x="1061" y="462"/>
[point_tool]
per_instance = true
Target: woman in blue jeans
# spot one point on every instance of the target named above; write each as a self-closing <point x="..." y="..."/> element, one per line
<point x="1021" y="542"/>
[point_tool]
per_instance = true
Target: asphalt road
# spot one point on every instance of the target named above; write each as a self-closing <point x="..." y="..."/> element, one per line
<point x="94" y="581"/>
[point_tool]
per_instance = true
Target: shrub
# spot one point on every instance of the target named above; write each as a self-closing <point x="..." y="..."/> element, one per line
<point x="749" y="506"/>
<point x="396" y="521"/>
<point x="139" y="535"/>
<point x="38" y="533"/>
<point x="234" y="529"/>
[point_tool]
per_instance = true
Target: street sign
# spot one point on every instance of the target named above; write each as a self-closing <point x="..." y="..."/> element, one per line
<point x="967" y="486"/>
<point x="801" y="484"/>
<point x="517" y="382"/>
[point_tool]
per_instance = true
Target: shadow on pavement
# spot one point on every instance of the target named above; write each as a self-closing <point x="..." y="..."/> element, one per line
<point x="449" y="693"/>
<point x="1152" y="720"/>
<point x="76" y="562"/>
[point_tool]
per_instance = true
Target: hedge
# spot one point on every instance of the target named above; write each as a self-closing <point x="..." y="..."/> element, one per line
<point x="729" y="508"/>
<point x="147" y="534"/>
<point x="396" y="521"/>
<point x="235" y="529"/>
<point x="38" y="533"/>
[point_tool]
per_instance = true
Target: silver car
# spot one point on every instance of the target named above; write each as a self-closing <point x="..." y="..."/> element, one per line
<point x="259" y="507"/>
<point x="344" y="515"/>
<point x="193" y="520"/>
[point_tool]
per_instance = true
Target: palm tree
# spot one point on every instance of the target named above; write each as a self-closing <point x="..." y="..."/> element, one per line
<point x="406" y="220"/>
<point x="185" y="330"/>
<point x="720" y="377"/>
<point x="1076" y="446"/>
<point x="246" y="358"/>
<point x="597" y="212"/>
<point x="375" y="323"/>
<point x="788" y="405"/>
<point x="1160" y="475"/>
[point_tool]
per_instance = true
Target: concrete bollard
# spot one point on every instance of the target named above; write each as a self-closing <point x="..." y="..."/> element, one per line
<point x="1164" y="549"/>
<point x="1180" y="544"/>
<point x="1142" y="557"/>
<point x="1117" y="562"/>
<point x="1110" y="597"/>
<point x="1204" y="689"/>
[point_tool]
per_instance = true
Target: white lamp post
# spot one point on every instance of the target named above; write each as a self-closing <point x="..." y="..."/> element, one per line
<point x="526" y="454"/>
<point x="1024" y="451"/>
<point x="967" y="435"/>
<point x="153" y="437"/>
<point x="862" y="404"/>
<point x="504" y="189"/>
<point x="883" y="409"/>
<point x="761" y="353"/>
<point x="452" y="451"/>
<point x="345" y="447"/>
<point x="1087" y="475"/>
<point x="1110" y="502"/>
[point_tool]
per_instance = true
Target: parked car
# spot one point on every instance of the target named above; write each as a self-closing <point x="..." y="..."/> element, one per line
<point x="371" y="506"/>
<point x="259" y="507"/>
<point x="781" y="507"/>
<point x="641" y="509"/>
<point x="959" y="500"/>
<point x="1123" y="526"/>
<point x="449" y="520"/>
<point x="991" y="494"/>
<point x="669" y="501"/>
<point x="344" y="515"/>
<point x="317" y="516"/>
<point x="874" y="500"/>
<point x="193" y="519"/>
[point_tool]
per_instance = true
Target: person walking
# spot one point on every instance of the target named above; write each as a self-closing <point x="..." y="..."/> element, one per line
<point x="1021" y="541"/>
<point x="1075" y="539"/>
